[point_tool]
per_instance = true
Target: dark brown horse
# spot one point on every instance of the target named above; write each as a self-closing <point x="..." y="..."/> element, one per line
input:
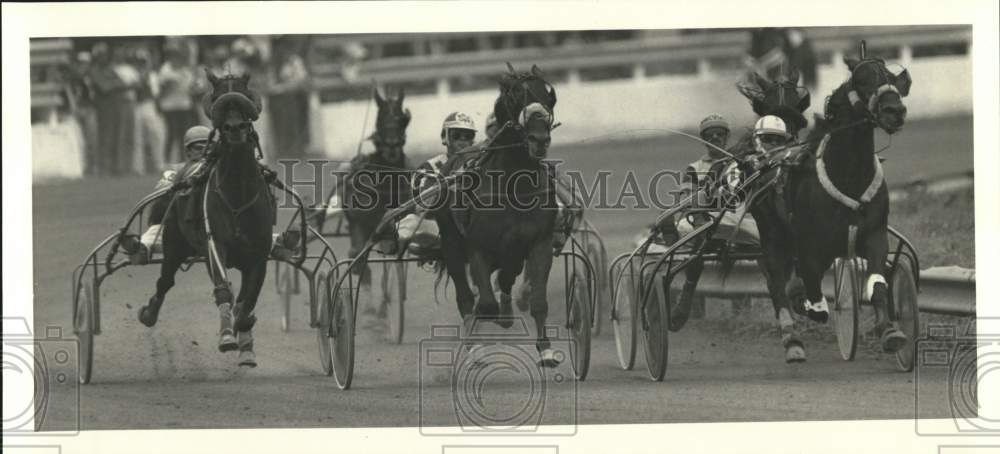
<point x="513" y="235"/>
<point x="226" y="217"/>
<point x="838" y="189"/>
<point x="377" y="182"/>
<point x="783" y="97"/>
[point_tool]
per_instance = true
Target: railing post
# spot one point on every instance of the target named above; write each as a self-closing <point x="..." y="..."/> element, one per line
<point x="704" y="69"/>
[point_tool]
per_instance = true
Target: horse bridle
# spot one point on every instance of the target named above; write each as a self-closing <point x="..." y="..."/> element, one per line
<point x="884" y="86"/>
<point x="529" y="109"/>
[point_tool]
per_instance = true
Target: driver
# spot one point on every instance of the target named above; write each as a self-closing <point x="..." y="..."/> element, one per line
<point x="458" y="132"/>
<point x="196" y="143"/>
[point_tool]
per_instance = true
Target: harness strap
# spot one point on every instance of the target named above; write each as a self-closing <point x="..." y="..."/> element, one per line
<point x="824" y="180"/>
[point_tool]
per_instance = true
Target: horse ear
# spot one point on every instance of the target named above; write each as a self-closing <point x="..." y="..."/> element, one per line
<point x="793" y="75"/>
<point x="510" y="68"/>
<point x="378" y="98"/>
<point x="851" y="62"/>
<point x="402" y="94"/>
<point x="903" y="82"/>
<point x="211" y="77"/>
<point x="406" y="118"/>
<point x="552" y="93"/>
<point x="804" y="102"/>
<point x="761" y="82"/>
<point x="536" y="71"/>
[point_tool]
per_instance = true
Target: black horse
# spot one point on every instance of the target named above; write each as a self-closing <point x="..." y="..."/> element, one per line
<point x="782" y="97"/>
<point x="834" y="200"/>
<point x="377" y="182"/>
<point x="226" y="217"/>
<point x="511" y="232"/>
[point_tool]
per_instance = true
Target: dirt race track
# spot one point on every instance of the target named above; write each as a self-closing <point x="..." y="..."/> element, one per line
<point x="172" y="376"/>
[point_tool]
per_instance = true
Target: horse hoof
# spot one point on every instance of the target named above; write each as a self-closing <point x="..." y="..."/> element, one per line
<point x="795" y="354"/>
<point x="146" y="318"/>
<point x="893" y="340"/>
<point x="818" y="316"/>
<point x="248" y="359"/>
<point x="227" y="342"/>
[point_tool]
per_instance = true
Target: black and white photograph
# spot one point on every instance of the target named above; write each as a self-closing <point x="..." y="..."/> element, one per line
<point x="500" y="227"/>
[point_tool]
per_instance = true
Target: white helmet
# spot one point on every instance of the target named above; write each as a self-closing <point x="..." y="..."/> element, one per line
<point x="771" y="124"/>
<point x="456" y="120"/>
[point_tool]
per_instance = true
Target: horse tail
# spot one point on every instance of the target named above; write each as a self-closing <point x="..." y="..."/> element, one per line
<point x="439" y="269"/>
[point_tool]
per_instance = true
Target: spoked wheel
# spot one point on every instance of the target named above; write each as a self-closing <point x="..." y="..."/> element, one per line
<point x="599" y="258"/>
<point x="83" y="324"/>
<point x="623" y="319"/>
<point x="903" y="294"/>
<point x="394" y="293"/>
<point x="286" y="286"/>
<point x="324" y="304"/>
<point x="655" y="331"/>
<point x="845" y="306"/>
<point x="578" y="318"/>
<point x="342" y="336"/>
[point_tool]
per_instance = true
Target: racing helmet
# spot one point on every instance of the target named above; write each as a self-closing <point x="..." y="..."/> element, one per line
<point x="456" y="120"/>
<point x="197" y="133"/>
<point x="713" y="121"/>
<point x="770" y="124"/>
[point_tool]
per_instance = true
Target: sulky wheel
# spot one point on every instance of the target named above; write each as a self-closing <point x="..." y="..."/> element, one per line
<point x="845" y="306"/>
<point x="655" y="333"/>
<point x="623" y="319"/>
<point x="341" y="334"/>
<point x="394" y="293"/>
<point x="578" y="318"/>
<point x="903" y="294"/>
<point x="83" y="325"/>
<point x="599" y="259"/>
<point x="324" y="304"/>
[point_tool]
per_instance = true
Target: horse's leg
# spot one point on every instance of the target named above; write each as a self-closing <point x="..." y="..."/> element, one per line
<point x="481" y="270"/>
<point x="777" y="264"/>
<point x="533" y="289"/>
<point x="875" y="250"/>
<point x="175" y="250"/>
<point x="454" y="260"/>
<point x="251" y="283"/>
<point x="505" y="280"/>
<point x="223" y="294"/>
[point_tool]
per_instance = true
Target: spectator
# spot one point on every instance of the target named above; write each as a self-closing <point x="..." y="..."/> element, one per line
<point x="177" y="80"/>
<point x="289" y="103"/>
<point x="149" y="130"/>
<point x="80" y="95"/>
<point x="114" y="101"/>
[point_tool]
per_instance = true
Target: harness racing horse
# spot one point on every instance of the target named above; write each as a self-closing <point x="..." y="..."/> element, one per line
<point x="782" y="97"/>
<point x="377" y="182"/>
<point x="227" y="217"/>
<point x="836" y="202"/>
<point x="511" y="231"/>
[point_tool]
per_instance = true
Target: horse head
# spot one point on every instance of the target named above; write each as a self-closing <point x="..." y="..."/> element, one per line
<point x="527" y="103"/>
<point x="782" y="97"/>
<point x="390" y="127"/>
<point x="877" y="91"/>
<point x="232" y="106"/>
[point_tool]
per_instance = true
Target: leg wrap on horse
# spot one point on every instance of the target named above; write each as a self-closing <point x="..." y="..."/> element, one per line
<point x="223" y="294"/>
<point x="819" y="311"/>
<point x="870" y="286"/>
